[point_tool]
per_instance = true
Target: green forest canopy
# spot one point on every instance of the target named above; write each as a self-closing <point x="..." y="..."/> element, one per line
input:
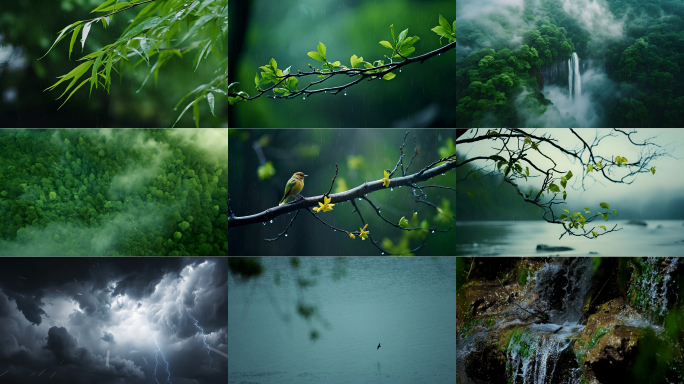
<point x="113" y="192"/>
<point x="643" y="63"/>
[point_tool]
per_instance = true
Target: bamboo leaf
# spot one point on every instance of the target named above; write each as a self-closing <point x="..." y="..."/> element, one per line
<point x="73" y="39"/>
<point x="61" y="35"/>
<point x="210" y="100"/>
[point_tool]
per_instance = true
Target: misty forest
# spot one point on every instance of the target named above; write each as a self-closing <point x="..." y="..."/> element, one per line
<point x="113" y="192"/>
<point x="552" y="63"/>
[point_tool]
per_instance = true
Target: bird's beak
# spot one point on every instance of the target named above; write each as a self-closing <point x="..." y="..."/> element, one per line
<point x="305" y="175"/>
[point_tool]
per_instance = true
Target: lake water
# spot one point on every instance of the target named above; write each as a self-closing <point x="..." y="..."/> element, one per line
<point x="406" y="304"/>
<point x="520" y="238"/>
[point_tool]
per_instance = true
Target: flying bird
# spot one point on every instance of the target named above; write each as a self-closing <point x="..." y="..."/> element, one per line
<point x="378" y="347"/>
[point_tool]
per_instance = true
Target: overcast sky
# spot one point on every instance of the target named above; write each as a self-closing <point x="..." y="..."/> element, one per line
<point x="648" y="192"/>
<point x="59" y="317"/>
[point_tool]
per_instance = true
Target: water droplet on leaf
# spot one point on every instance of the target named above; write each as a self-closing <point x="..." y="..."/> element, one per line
<point x="271" y="221"/>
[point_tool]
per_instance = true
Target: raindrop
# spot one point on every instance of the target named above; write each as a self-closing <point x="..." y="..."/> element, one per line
<point x="391" y="189"/>
<point x="325" y="91"/>
<point x="433" y="231"/>
<point x="415" y="213"/>
<point x="345" y="93"/>
<point x="439" y="54"/>
<point x="442" y="174"/>
<point x="271" y="221"/>
<point x="264" y="223"/>
<point x="175" y="109"/>
<point x="399" y="70"/>
<point x="383" y="253"/>
<point x="286" y="235"/>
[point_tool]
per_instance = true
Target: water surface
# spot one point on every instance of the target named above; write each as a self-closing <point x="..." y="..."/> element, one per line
<point x="520" y="238"/>
<point x="406" y="304"/>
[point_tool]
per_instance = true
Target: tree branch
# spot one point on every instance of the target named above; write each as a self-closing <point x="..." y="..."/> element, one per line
<point x="364" y="73"/>
<point x="369" y="187"/>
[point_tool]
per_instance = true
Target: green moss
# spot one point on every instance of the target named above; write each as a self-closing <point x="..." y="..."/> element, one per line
<point x="469" y="326"/>
<point x="523" y="277"/>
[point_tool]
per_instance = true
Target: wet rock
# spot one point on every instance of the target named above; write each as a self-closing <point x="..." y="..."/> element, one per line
<point x="593" y="253"/>
<point x="637" y="222"/>
<point x="548" y="248"/>
<point x="611" y="358"/>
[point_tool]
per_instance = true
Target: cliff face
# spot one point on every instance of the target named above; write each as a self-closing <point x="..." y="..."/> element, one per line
<point x="570" y="321"/>
<point x="556" y="72"/>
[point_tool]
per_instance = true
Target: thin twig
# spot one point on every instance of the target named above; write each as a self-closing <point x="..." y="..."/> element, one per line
<point x="333" y="181"/>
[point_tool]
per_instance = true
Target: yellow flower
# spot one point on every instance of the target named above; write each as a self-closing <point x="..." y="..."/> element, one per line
<point x="386" y="180"/>
<point x="324" y="207"/>
<point x="364" y="233"/>
<point x="352" y="235"/>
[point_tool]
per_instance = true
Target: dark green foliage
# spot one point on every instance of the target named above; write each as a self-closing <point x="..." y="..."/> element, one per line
<point x="489" y="81"/>
<point x="116" y="194"/>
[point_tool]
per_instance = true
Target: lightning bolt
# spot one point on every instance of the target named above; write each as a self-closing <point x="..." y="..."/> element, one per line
<point x="156" y="352"/>
<point x="204" y="339"/>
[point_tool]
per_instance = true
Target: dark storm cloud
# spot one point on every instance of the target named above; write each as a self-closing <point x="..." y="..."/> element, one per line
<point x="90" y="300"/>
<point x="108" y="337"/>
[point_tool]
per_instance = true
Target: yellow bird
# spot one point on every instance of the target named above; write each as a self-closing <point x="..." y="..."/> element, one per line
<point x="294" y="186"/>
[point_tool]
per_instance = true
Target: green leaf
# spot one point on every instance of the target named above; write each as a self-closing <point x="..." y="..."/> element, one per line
<point x="274" y="65"/>
<point x="386" y="44"/>
<point x="575" y="214"/>
<point x="474" y="176"/>
<point x="653" y="170"/>
<point x="405" y="52"/>
<point x="321" y="49"/>
<point x="497" y="158"/>
<point x="605" y="216"/>
<point x="402" y="36"/>
<point x="594" y="233"/>
<point x="392" y="29"/>
<point x="566" y="210"/>
<point x="590" y="168"/>
<point x="605" y="205"/>
<point x="389" y="76"/>
<point x="568" y="176"/>
<point x="93" y="78"/>
<point x="210" y="99"/>
<point x="256" y="80"/>
<point x="106" y="3"/>
<point x="527" y="171"/>
<point x="492" y="133"/>
<point x="563" y="182"/>
<point x="535" y="147"/>
<point x="565" y="194"/>
<point x="563" y="216"/>
<point x="527" y="140"/>
<point x="499" y="164"/>
<point x="114" y="7"/>
<point x="554" y="188"/>
<point x="292" y="82"/>
<point x="195" y="113"/>
<point x="108" y="70"/>
<point x="408" y="42"/>
<point x="604" y="228"/>
<point x="355" y="61"/>
<point x="403" y="222"/>
<point x="279" y="90"/>
<point x="316" y="56"/>
<point x="73" y="39"/>
<point x="441" y="31"/>
<point x="470" y="195"/>
<point x="444" y="23"/>
<point x="615" y="212"/>
<point x="60" y="37"/>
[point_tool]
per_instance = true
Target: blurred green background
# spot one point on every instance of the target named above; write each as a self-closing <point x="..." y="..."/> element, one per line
<point x="422" y="95"/>
<point x="27" y="30"/>
<point x="361" y="155"/>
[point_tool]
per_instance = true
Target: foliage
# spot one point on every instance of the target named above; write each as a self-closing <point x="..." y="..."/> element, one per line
<point x="156" y="30"/>
<point x="286" y="83"/>
<point x="128" y="202"/>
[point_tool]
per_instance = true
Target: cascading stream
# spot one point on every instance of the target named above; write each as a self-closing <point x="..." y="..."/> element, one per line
<point x="560" y="289"/>
<point x="574" y="78"/>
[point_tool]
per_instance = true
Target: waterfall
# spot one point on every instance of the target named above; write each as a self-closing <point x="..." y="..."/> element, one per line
<point x="574" y="79"/>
